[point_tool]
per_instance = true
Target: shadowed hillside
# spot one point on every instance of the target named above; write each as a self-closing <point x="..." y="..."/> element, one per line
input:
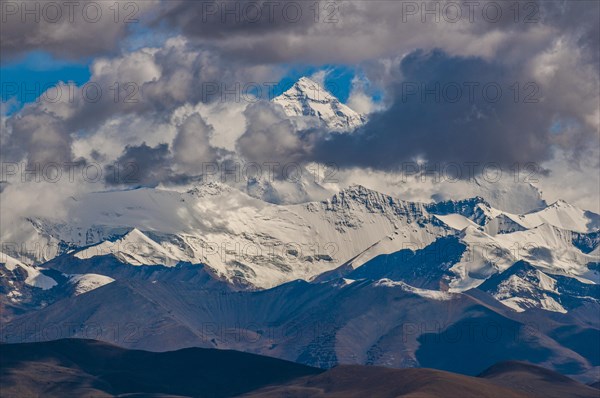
<point x="89" y="368"/>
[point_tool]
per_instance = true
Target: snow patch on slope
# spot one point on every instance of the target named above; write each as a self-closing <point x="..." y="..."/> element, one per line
<point x="87" y="282"/>
<point x="426" y="293"/>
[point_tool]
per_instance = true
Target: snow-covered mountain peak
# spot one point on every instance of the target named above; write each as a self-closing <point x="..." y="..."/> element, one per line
<point x="311" y="90"/>
<point x="136" y="235"/>
<point x="471" y="231"/>
<point x="307" y="98"/>
<point x="134" y="248"/>
<point x="562" y="215"/>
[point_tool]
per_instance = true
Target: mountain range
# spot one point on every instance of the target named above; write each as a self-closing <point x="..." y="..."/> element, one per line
<point x="361" y="278"/>
<point x="358" y="278"/>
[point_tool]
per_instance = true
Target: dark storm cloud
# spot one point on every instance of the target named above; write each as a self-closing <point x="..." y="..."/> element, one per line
<point x="456" y="110"/>
<point x="260" y="31"/>
<point x="581" y="19"/>
<point x="68" y="29"/>
<point x="355" y="31"/>
<point x="141" y="165"/>
<point x="226" y="18"/>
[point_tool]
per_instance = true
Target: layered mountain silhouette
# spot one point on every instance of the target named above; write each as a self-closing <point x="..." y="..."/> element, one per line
<point x="75" y="367"/>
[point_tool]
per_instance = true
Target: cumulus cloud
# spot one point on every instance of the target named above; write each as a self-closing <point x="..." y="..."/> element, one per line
<point x="130" y="99"/>
<point x="191" y="146"/>
<point x="270" y="136"/>
<point x="203" y="63"/>
<point x="361" y="97"/>
<point x="180" y="162"/>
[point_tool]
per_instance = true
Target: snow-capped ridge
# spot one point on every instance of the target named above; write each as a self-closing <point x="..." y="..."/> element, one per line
<point x="456" y="221"/>
<point x="562" y="215"/>
<point x="523" y="286"/>
<point x="560" y="203"/>
<point x="359" y="196"/>
<point x="133" y="248"/>
<point x="34" y="277"/>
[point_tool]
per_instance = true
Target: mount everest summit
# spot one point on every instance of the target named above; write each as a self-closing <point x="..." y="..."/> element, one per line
<point x="309" y="100"/>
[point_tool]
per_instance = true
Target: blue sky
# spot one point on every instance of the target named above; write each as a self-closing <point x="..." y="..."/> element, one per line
<point x="29" y="75"/>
